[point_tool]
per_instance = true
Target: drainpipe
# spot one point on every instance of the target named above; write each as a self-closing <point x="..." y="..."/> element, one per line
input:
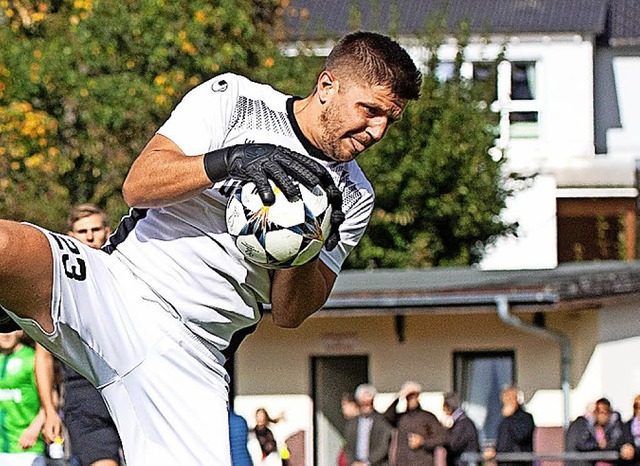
<point x="502" y="305"/>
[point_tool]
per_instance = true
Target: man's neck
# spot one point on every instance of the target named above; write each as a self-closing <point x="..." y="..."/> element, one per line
<point x="307" y="116"/>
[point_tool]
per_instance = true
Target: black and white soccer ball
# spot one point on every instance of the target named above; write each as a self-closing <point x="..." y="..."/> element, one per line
<point x="285" y="234"/>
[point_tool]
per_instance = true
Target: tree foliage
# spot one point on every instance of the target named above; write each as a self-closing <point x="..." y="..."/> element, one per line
<point x="85" y="83"/>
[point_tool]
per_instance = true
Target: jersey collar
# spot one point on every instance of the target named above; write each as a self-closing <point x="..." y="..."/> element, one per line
<point x="310" y="148"/>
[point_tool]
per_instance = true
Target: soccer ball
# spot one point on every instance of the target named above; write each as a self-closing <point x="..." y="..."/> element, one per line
<point x="285" y="234"/>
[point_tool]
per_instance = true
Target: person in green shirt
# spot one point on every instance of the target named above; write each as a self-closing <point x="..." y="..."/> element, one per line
<point x="21" y="418"/>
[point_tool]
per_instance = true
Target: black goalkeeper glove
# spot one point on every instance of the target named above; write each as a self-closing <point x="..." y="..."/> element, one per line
<point x="259" y="162"/>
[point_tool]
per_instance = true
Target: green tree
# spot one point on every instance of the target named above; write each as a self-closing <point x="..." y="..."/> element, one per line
<point x="102" y="76"/>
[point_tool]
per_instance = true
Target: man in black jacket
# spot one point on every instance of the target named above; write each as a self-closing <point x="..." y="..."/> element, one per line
<point x="463" y="435"/>
<point x="515" y="431"/>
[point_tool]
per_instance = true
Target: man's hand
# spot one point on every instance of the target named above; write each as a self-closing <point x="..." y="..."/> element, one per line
<point x="52" y="428"/>
<point x="260" y="162"/>
<point x="489" y="453"/>
<point x="627" y="452"/>
<point x="415" y="441"/>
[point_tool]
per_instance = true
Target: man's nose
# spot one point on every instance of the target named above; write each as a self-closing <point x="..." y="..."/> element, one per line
<point x="377" y="127"/>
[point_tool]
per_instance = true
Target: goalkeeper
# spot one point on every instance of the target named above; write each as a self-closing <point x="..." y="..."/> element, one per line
<point x="150" y="319"/>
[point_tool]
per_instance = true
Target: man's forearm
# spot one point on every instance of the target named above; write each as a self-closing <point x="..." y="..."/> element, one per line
<point x="299" y="292"/>
<point x="44" y="372"/>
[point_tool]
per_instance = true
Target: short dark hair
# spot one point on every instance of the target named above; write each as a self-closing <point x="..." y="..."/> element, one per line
<point x="378" y="60"/>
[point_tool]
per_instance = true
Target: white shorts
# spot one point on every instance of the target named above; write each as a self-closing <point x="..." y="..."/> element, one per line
<point x="166" y="390"/>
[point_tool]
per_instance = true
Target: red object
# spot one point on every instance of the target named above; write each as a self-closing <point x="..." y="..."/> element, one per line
<point x="342" y="458"/>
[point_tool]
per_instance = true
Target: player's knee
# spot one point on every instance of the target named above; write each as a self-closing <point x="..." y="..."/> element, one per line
<point x="22" y="248"/>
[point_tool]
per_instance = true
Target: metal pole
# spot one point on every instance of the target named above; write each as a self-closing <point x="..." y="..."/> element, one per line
<point x="502" y="305"/>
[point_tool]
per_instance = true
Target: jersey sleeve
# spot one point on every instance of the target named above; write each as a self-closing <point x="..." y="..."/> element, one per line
<point x="198" y="124"/>
<point x="358" y="203"/>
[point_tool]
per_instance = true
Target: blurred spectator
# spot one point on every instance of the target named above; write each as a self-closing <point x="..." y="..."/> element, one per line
<point x="368" y="435"/>
<point x="270" y="455"/>
<point x="21" y="418"/>
<point x="515" y="431"/>
<point x="350" y="410"/>
<point x="631" y="431"/>
<point x="419" y="431"/>
<point x="604" y="432"/>
<point x="576" y="430"/>
<point x="463" y="435"/>
<point x="239" y="439"/>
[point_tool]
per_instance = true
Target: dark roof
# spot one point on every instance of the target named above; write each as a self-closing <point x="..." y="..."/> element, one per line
<point x="312" y="19"/>
<point x="624" y="22"/>
<point x="468" y="286"/>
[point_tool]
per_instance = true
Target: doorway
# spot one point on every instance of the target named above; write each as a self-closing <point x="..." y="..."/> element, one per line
<point x="332" y="376"/>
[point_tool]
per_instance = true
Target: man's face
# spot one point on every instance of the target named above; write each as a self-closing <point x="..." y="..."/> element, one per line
<point x="91" y="231"/>
<point x="413" y="400"/>
<point x="602" y="414"/>
<point x="355" y="117"/>
<point x="509" y="397"/>
<point x="8" y="341"/>
<point x="366" y="403"/>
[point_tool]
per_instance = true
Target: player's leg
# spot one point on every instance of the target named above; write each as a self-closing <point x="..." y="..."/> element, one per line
<point x="26" y="270"/>
<point x="164" y="388"/>
<point x="184" y="392"/>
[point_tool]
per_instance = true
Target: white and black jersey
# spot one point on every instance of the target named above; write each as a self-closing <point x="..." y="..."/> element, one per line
<point x="183" y="251"/>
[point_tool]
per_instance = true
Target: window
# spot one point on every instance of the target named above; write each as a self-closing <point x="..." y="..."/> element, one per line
<point x="479" y="377"/>
<point x="445" y="71"/>
<point x="515" y="98"/>
<point x="523" y="114"/>
<point x="485" y="73"/>
<point x="523" y="81"/>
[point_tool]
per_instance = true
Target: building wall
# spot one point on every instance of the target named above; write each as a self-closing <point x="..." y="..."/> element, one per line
<point x="617" y="99"/>
<point x="276" y="361"/>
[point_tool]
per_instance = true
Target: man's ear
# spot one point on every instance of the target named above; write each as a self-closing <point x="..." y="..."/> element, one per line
<point x="327" y="85"/>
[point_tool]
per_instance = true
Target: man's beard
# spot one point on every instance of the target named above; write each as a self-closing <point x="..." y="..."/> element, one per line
<point x="330" y="138"/>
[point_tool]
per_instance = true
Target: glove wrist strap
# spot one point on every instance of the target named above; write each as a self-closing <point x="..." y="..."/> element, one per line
<point x="215" y="164"/>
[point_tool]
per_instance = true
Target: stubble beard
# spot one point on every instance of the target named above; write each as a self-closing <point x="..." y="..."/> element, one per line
<point x="330" y="139"/>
